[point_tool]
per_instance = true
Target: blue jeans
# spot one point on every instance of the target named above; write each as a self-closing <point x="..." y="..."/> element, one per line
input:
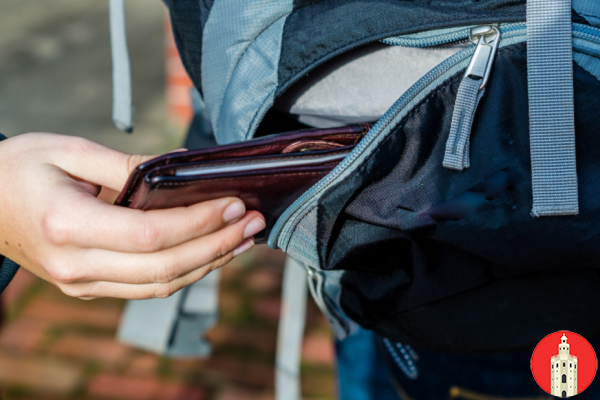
<point x="362" y="374"/>
<point x="371" y="368"/>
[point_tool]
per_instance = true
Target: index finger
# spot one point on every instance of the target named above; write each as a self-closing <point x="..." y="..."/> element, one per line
<point x="92" y="223"/>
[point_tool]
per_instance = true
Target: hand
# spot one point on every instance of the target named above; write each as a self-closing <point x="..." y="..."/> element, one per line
<point x="53" y="224"/>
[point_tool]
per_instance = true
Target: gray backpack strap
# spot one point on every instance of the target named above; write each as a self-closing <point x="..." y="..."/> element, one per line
<point x="291" y="331"/>
<point x="175" y="326"/>
<point x="469" y="94"/>
<point x="198" y="314"/>
<point x="122" y="97"/>
<point x="551" y="109"/>
<point x="148" y="324"/>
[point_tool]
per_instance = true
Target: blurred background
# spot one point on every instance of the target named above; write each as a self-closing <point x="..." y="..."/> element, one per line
<point x="55" y="76"/>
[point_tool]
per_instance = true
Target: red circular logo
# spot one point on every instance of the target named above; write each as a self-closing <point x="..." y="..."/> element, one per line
<point x="564" y="364"/>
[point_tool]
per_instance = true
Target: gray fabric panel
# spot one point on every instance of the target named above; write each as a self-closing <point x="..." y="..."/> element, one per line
<point x="303" y="248"/>
<point x="551" y="110"/>
<point x="326" y="291"/>
<point x="303" y="243"/>
<point x="341" y="324"/>
<point x="588" y="9"/>
<point x="361" y="85"/>
<point x="251" y="89"/>
<point x="232" y="27"/>
<point x="457" y="147"/>
<point x="122" y="96"/>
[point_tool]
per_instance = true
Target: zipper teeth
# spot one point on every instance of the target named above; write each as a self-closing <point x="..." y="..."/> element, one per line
<point x="455" y="37"/>
<point x="430" y="41"/>
<point x="586" y="32"/>
<point x="304" y="200"/>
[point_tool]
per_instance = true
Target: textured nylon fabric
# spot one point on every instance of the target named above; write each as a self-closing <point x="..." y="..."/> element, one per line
<point x="188" y="18"/>
<point x="551" y="114"/>
<point x="212" y="36"/>
<point x="251" y="89"/>
<point x="457" y="147"/>
<point x="229" y="33"/>
<point x="319" y="30"/>
<point x="303" y="245"/>
<point x="122" y="96"/>
<point x="589" y="63"/>
<point x="588" y="9"/>
<point x="422" y="246"/>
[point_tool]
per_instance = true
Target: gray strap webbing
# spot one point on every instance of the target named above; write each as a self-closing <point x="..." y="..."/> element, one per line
<point x="551" y="110"/>
<point x="457" y="147"/>
<point x="291" y="331"/>
<point x="122" y="98"/>
<point x="148" y="324"/>
<point x="175" y="326"/>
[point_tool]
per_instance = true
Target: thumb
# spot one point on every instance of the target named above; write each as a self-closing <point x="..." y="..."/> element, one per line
<point x="133" y="160"/>
<point x="101" y="165"/>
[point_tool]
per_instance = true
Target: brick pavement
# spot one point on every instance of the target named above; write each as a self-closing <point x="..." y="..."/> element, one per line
<point x="55" y="347"/>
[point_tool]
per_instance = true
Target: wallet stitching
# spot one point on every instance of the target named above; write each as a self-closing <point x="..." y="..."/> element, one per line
<point x="152" y="193"/>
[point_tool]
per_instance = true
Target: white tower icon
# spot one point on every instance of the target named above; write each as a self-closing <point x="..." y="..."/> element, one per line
<point x="563" y="371"/>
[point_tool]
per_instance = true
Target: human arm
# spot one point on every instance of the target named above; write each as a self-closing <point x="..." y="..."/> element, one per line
<point x="53" y="224"/>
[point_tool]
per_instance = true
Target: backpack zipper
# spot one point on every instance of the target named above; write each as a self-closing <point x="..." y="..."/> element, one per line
<point x="433" y="38"/>
<point x="512" y="33"/>
<point x="285" y="225"/>
<point x="447" y="36"/>
<point x="469" y="94"/>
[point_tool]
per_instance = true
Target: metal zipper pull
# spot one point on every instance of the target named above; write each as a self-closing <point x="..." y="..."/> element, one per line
<point x="470" y="91"/>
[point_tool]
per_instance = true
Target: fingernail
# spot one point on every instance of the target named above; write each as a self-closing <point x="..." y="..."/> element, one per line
<point x="244" y="247"/>
<point x="235" y="210"/>
<point x="255" y="226"/>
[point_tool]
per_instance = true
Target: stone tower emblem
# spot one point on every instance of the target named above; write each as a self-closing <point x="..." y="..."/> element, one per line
<point x="563" y="371"/>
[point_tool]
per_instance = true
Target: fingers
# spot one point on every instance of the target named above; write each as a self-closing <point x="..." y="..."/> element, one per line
<point x="141" y="292"/>
<point x="91" y="223"/>
<point x="96" y="163"/>
<point x="162" y="267"/>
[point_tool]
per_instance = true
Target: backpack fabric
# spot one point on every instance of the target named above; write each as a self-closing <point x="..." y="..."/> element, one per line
<point x="242" y="55"/>
<point x="439" y="259"/>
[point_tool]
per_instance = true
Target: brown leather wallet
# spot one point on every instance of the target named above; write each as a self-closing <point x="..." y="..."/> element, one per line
<point x="268" y="173"/>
